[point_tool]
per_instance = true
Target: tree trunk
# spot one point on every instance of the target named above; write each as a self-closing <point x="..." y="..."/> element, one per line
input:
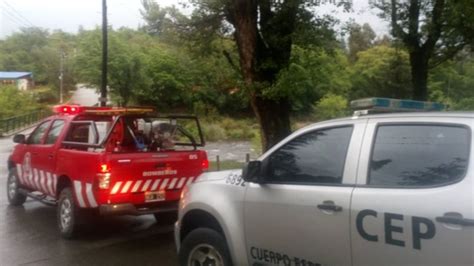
<point x="419" y="75"/>
<point x="272" y="115"/>
<point x="274" y="119"/>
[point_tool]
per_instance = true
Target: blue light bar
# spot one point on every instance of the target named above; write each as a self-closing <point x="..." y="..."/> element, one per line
<point x="382" y="105"/>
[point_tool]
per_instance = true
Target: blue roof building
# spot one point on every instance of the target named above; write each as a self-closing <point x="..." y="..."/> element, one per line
<point x="22" y="80"/>
<point x="15" y="75"/>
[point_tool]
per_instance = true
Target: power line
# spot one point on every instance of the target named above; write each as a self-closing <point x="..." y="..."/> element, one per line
<point x="14" y="19"/>
<point x="9" y="11"/>
<point x="19" y="14"/>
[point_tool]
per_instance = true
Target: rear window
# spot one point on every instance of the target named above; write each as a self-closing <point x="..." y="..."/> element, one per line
<point x="419" y="155"/>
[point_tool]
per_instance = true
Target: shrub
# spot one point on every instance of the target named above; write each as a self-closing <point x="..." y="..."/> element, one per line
<point x="14" y="102"/>
<point x="331" y="106"/>
<point x="213" y="132"/>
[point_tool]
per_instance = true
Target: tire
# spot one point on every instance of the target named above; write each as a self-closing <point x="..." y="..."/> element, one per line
<point x="15" y="198"/>
<point x="202" y="247"/>
<point x="166" y="218"/>
<point x="67" y="214"/>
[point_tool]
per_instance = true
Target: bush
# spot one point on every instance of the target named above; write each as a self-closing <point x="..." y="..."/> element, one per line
<point x="331" y="106"/>
<point x="45" y="95"/>
<point x="14" y="102"/>
<point x="213" y="132"/>
<point x="224" y="128"/>
<point x="464" y="105"/>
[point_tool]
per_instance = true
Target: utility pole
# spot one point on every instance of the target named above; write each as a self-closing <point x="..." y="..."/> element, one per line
<point x="103" y="89"/>
<point x="61" y="77"/>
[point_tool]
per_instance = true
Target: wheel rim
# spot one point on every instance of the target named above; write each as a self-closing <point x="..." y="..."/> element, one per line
<point x="12" y="186"/>
<point x="205" y="255"/>
<point x="65" y="214"/>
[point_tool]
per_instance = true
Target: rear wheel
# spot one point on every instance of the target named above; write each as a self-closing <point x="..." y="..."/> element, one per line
<point x="166" y="218"/>
<point x="204" y="246"/>
<point x="15" y="198"/>
<point x="67" y="214"/>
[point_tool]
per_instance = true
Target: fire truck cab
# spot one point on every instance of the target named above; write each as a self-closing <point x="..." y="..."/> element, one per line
<point x="107" y="160"/>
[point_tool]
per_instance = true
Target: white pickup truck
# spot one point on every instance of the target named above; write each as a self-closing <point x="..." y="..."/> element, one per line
<point x="390" y="189"/>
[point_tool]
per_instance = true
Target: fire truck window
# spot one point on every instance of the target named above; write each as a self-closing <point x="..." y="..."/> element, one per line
<point x="54" y="132"/>
<point x="81" y="133"/>
<point x="37" y="135"/>
<point x="102" y="128"/>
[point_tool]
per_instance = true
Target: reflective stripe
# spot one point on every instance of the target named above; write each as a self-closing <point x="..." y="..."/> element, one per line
<point x="20" y="173"/>
<point x="116" y="187"/>
<point x="126" y="187"/>
<point x="78" y="191"/>
<point x="181" y="182"/>
<point x="44" y="189"/>
<point x="190" y="180"/>
<point x="136" y="186"/>
<point x="146" y="185"/>
<point x="50" y="183"/>
<point x="173" y="183"/>
<point x="90" y="196"/>
<point x="30" y="179"/>
<point x="55" y="182"/>
<point x="163" y="185"/>
<point x="37" y="179"/>
<point x="155" y="184"/>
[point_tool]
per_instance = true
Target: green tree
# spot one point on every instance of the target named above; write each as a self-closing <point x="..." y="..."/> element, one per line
<point x="381" y="71"/>
<point x="361" y="38"/>
<point x="38" y="51"/>
<point x="452" y="82"/>
<point x="264" y="33"/>
<point x="433" y="31"/>
<point x="312" y="73"/>
<point x="126" y="63"/>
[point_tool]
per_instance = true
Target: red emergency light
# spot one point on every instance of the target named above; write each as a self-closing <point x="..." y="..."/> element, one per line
<point x="77" y="109"/>
<point x="68" y="109"/>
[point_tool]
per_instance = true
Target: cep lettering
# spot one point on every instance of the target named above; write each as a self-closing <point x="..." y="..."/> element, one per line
<point x="422" y="228"/>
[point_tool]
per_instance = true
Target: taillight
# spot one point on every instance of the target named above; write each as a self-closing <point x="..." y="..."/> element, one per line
<point x="104" y="168"/>
<point x="205" y="164"/>
<point x="103" y="177"/>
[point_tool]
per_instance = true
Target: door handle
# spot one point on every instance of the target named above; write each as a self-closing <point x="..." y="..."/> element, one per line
<point x="329" y="206"/>
<point x="50" y="156"/>
<point x="455" y="220"/>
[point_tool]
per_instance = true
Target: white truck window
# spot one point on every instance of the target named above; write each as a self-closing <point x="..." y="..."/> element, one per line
<point x="316" y="157"/>
<point x="419" y="155"/>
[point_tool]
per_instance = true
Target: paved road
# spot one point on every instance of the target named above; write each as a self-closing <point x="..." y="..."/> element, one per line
<point x="85" y="96"/>
<point x="29" y="235"/>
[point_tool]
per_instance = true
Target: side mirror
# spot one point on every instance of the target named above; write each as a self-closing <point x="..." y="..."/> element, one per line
<point x="19" y="138"/>
<point x="252" y="172"/>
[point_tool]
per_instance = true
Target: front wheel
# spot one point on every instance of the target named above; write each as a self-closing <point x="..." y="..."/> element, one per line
<point x="15" y="198"/>
<point x="204" y="246"/>
<point x="67" y="214"/>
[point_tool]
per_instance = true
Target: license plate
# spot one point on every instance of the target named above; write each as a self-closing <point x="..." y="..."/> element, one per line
<point x="155" y="196"/>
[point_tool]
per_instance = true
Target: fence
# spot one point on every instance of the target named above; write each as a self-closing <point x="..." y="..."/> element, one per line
<point x="16" y="123"/>
<point x="235" y="164"/>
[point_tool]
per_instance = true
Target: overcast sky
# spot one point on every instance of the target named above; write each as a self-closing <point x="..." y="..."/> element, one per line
<point x="68" y="15"/>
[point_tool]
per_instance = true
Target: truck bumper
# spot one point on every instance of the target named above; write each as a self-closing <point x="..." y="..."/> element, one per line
<point x="130" y="209"/>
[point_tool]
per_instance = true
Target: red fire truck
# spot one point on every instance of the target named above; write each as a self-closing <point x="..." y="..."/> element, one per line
<point x="106" y="160"/>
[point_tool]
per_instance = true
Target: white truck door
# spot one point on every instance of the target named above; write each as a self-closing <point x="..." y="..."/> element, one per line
<point x="414" y="200"/>
<point x="300" y="215"/>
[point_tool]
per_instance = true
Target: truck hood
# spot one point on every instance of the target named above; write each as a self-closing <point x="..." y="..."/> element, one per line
<point x="217" y="176"/>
